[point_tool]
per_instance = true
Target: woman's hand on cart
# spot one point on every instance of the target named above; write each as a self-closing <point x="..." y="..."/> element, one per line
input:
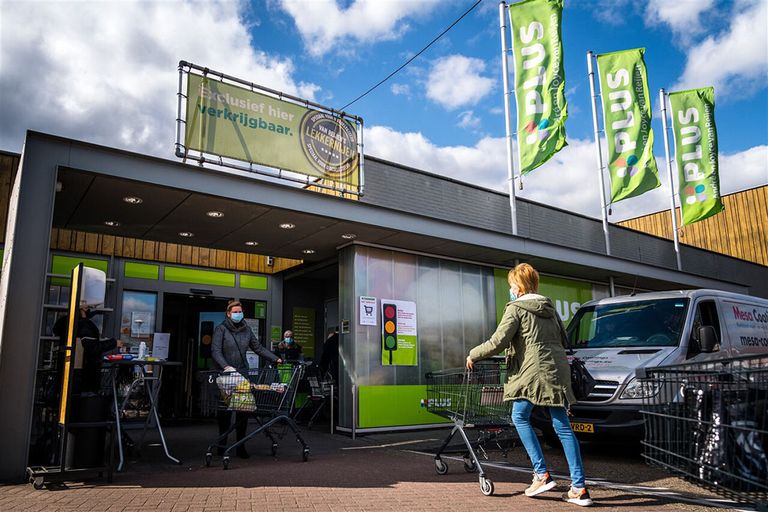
<point x="470" y="363"/>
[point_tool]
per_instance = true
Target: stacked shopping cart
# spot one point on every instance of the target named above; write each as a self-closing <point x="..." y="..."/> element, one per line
<point x="708" y="423"/>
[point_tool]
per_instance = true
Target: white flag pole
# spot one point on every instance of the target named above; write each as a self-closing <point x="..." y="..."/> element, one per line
<point x="603" y="208"/>
<point x="663" y="103"/>
<point x="507" y="118"/>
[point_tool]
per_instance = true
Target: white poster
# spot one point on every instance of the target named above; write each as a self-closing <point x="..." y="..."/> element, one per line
<point x="368" y="313"/>
<point x="160" y="344"/>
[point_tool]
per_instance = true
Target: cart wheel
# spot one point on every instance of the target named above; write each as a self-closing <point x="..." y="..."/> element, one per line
<point x="226" y="462"/>
<point x="469" y="465"/>
<point x="38" y="483"/>
<point x="274" y="449"/>
<point x="441" y="467"/>
<point x="208" y="457"/>
<point x="305" y="454"/>
<point x="486" y="486"/>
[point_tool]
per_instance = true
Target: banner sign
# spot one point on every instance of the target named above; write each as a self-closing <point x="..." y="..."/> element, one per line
<point x="539" y="80"/>
<point x="399" y="341"/>
<point x="226" y="120"/>
<point x="627" y="117"/>
<point x="693" y="126"/>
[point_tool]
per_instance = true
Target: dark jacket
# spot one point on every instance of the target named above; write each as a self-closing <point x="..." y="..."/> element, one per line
<point x="230" y="343"/>
<point x="531" y="333"/>
<point x="94" y="348"/>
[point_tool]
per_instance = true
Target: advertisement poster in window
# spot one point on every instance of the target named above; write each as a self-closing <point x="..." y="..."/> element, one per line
<point x="399" y="340"/>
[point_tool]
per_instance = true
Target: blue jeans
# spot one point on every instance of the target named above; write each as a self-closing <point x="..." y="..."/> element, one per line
<point x="521" y="415"/>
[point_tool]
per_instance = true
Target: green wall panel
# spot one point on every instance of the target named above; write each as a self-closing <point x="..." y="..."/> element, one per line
<point x="393" y="406"/>
<point x="192" y="276"/>
<point x="141" y="270"/>
<point x="253" y="282"/>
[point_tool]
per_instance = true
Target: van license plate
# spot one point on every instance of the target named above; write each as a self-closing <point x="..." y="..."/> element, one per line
<point x="583" y="427"/>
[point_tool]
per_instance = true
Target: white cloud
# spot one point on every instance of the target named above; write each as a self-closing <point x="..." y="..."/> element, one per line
<point x="325" y="26"/>
<point x="569" y="180"/>
<point x="468" y="119"/>
<point x="106" y="72"/>
<point x="456" y="81"/>
<point x="400" y="89"/>
<point x="684" y="18"/>
<point x="737" y="56"/>
<point x="744" y="170"/>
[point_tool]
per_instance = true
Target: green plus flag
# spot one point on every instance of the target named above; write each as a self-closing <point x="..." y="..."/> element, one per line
<point x="693" y="125"/>
<point x="627" y="117"/>
<point x="539" y="80"/>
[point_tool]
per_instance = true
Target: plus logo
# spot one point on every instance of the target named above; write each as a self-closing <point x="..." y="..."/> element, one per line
<point x="695" y="194"/>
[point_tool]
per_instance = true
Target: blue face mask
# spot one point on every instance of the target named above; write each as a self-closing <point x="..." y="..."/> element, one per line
<point x="288" y="341"/>
<point x="512" y="295"/>
<point x="237" y="317"/>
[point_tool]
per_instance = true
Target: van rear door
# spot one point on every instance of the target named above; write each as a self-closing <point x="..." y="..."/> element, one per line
<point x="746" y="325"/>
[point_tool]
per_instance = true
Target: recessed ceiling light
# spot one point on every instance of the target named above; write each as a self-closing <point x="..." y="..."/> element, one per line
<point x="349" y="236"/>
<point x="308" y="251"/>
<point x="186" y="234"/>
<point x="111" y="223"/>
<point x="251" y="243"/>
<point x="133" y="200"/>
<point x="287" y="225"/>
<point x="215" y="214"/>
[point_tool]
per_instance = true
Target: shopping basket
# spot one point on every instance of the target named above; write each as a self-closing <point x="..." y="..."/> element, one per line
<point x="708" y="423"/>
<point x="265" y="394"/>
<point x="470" y="399"/>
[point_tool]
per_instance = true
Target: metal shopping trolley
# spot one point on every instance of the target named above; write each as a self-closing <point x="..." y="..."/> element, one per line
<point x="471" y="399"/>
<point x="708" y="423"/>
<point x="265" y="394"/>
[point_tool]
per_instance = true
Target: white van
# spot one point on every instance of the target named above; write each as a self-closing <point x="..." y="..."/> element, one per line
<point x="616" y="336"/>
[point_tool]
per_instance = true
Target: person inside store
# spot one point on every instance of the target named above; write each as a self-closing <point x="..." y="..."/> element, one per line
<point x="231" y="340"/>
<point x="533" y="337"/>
<point x="94" y="347"/>
<point x="329" y="360"/>
<point x="289" y="348"/>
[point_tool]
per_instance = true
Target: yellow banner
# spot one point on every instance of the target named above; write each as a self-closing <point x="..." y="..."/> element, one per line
<point x="229" y="121"/>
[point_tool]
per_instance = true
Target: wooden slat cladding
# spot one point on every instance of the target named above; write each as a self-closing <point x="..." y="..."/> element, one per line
<point x="8" y="166"/>
<point x="162" y="252"/>
<point x="741" y="230"/>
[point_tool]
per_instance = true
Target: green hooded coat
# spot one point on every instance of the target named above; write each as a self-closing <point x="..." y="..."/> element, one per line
<point x="532" y="334"/>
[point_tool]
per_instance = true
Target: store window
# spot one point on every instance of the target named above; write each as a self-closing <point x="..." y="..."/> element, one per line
<point x="137" y="323"/>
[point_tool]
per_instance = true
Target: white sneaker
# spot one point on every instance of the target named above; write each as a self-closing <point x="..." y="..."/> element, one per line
<point x="579" y="497"/>
<point x="540" y="484"/>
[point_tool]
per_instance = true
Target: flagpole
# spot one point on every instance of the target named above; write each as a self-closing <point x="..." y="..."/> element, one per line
<point x="663" y="102"/>
<point x="603" y="208"/>
<point x="507" y="118"/>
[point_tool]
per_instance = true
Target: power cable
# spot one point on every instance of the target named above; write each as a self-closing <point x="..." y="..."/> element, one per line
<point x="414" y="57"/>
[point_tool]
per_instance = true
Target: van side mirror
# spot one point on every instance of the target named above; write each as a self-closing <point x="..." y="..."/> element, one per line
<point x="708" y="339"/>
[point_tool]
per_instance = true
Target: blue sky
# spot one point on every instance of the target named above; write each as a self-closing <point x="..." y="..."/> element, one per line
<point x="106" y="73"/>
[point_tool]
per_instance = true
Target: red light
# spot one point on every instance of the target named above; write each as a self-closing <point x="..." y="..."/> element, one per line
<point x="389" y="311"/>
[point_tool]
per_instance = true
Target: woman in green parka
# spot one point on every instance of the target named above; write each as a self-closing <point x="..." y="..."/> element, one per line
<point x="538" y="375"/>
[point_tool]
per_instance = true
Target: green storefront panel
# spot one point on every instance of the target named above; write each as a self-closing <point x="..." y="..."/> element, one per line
<point x="394" y="406"/>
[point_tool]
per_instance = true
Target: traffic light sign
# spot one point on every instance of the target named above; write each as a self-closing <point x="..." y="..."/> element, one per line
<point x="389" y="313"/>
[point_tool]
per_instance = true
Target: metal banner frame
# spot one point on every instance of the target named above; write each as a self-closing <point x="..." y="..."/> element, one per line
<point x="261" y="168"/>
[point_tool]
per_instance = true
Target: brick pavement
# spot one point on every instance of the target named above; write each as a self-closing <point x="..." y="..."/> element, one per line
<point x="375" y="473"/>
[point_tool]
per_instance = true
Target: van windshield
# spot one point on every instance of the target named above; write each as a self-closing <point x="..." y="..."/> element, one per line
<point x="648" y="323"/>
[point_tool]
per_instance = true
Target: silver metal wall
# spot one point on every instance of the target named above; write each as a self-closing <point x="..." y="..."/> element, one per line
<point x="454" y="305"/>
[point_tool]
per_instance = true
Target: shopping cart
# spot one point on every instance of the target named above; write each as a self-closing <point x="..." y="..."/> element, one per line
<point x="708" y="423"/>
<point x="470" y="399"/>
<point x="265" y="394"/>
<point x="321" y="393"/>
